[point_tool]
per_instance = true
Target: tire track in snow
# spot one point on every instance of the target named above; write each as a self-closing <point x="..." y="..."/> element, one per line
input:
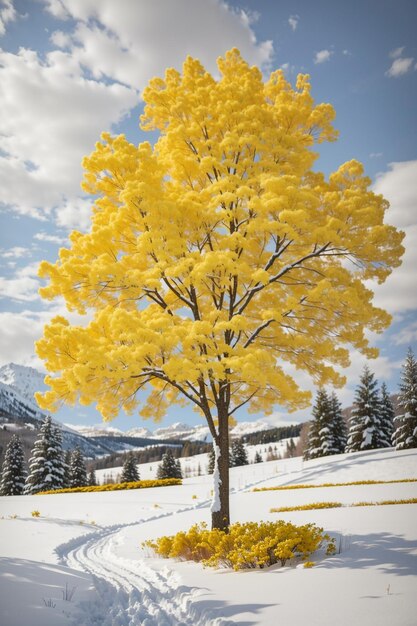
<point x="131" y="592"/>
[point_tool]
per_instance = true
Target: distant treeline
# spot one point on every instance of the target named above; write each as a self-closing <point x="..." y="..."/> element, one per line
<point x="273" y="435"/>
<point x="152" y="454"/>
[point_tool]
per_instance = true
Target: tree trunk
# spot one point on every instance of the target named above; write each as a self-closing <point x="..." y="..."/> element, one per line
<point x="220" y="516"/>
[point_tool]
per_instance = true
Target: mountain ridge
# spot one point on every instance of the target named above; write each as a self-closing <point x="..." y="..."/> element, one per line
<point x="18" y="383"/>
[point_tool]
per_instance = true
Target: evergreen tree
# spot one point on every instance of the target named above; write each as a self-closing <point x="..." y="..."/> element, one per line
<point x="258" y="457"/>
<point x="319" y="427"/>
<point x="338" y="425"/>
<point x="327" y="432"/>
<point x="405" y="435"/>
<point x="386" y="416"/>
<point x="179" y="470"/>
<point x="14" y="472"/>
<point x="238" y="454"/>
<point x="168" y="468"/>
<point x="92" y="480"/>
<point x="290" y="450"/>
<point x="46" y="466"/>
<point x="130" y="472"/>
<point x="211" y="461"/>
<point x="78" y="470"/>
<point x="67" y="469"/>
<point x="364" y="424"/>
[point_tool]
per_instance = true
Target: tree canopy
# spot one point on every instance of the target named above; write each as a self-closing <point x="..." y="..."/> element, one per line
<point x="217" y="256"/>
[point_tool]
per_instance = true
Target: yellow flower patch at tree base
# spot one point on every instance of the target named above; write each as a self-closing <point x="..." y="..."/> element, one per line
<point x="246" y="546"/>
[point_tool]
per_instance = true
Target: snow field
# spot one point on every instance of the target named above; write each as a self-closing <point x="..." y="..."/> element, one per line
<point x="191" y="465"/>
<point x="93" y="541"/>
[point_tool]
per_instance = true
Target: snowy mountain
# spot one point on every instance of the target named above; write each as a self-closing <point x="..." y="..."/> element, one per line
<point x="178" y="431"/>
<point x="19" y="412"/>
<point x="183" y="432"/>
<point x="14" y="404"/>
<point x="246" y="428"/>
<point x="98" y="431"/>
<point x="24" y="381"/>
<point x="140" y="432"/>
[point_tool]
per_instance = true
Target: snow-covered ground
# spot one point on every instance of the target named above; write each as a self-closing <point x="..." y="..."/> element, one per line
<point x="81" y="561"/>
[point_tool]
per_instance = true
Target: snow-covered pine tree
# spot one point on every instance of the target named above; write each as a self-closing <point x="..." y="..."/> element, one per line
<point x="46" y="465"/>
<point x="130" y="472"/>
<point x="13" y="474"/>
<point x="405" y="435"/>
<point x="386" y="416"/>
<point x="67" y="469"/>
<point x="364" y="423"/>
<point x="258" y="457"/>
<point x="179" y="469"/>
<point x="92" y="480"/>
<point x="78" y="470"/>
<point x="338" y="425"/>
<point x="238" y="455"/>
<point x="320" y="431"/>
<point x="168" y="467"/>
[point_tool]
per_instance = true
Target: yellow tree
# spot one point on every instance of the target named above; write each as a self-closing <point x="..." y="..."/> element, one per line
<point x="216" y="257"/>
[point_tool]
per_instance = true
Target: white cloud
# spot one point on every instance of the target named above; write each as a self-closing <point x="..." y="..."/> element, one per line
<point x="132" y="41"/>
<point x="17" y="252"/>
<point x="42" y="236"/>
<point x="43" y="143"/>
<point x="347" y="53"/>
<point x="375" y="155"/>
<point x="406" y="335"/>
<point x="396" y="53"/>
<point x="398" y="186"/>
<point x="23" y="286"/>
<point x="248" y="16"/>
<point x="322" y="56"/>
<point x="398" y="295"/>
<point x="75" y="213"/>
<point x="288" y="68"/>
<point x="384" y="368"/>
<point x="19" y="331"/>
<point x="293" y="21"/>
<point x="73" y="99"/>
<point x="7" y="14"/>
<point x="61" y="39"/>
<point x="57" y="9"/>
<point x="400" y="67"/>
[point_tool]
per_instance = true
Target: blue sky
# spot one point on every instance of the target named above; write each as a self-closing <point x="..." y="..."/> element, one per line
<point x="71" y="69"/>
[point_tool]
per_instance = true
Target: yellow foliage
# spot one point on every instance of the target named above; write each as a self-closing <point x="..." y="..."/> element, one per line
<point x="386" y="502"/>
<point x="307" y="507"/>
<point x="35" y="513"/>
<point x="248" y="545"/>
<point x="217" y="255"/>
<point x="334" y="505"/>
<point x="141" y="484"/>
<point x="355" y="482"/>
